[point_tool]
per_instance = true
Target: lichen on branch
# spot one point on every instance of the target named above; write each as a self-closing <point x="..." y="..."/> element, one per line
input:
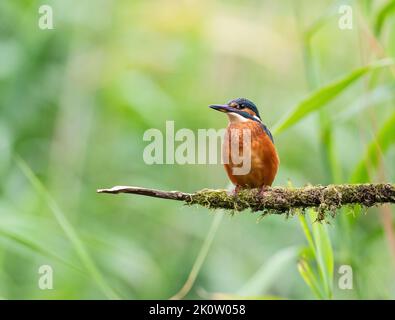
<point x="277" y="200"/>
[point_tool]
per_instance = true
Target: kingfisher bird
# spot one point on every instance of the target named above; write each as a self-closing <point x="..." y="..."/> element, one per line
<point x="264" y="161"/>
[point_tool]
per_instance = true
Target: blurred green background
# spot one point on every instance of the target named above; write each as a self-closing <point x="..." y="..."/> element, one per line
<point x="75" y="102"/>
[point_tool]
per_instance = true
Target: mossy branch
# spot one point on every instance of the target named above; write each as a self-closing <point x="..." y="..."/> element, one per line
<point x="277" y="200"/>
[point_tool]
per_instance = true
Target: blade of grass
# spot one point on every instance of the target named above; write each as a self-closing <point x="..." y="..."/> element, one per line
<point x="324" y="95"/>
<point x="309" y="278"/>
<point x="384" y="139"/>
<point x="329" y="160"/>
<point x="327" y="15"/>
<point x="268" y="272"/>
<point x="320" y="246"/>
<point x="34" y="247"/>
<point x="307" y="233"/>
<point x="68" y="230"/>
<point x="304" y="268"/>
<point x="382" y="15"/>
<point x="324" y="255"/>
<point x="200" y="258"/>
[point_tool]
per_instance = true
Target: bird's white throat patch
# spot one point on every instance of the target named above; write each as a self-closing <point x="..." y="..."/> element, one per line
<point x="236" y="118"/>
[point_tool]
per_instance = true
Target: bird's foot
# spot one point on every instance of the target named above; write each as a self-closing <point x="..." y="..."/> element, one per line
<point x="235" y="191"/>
<point x="262" y="191"/>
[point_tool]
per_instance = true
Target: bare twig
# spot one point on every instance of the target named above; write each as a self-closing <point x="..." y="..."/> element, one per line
<point x="172" y="195"/>
<point x="277" y="200"/>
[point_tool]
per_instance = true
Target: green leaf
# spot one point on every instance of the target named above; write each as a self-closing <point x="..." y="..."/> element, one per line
<point x="384" y="139"/>
<point x="308" y="276"/>
<point x="324" y="256"/>
<point x="320" y="246"/>
<point x="325" y="94"/>
<point x="307" y="233"/>
<point x="382" y="15"/>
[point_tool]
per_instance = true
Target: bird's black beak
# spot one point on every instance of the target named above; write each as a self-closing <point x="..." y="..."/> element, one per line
<point x="223" y="108"/>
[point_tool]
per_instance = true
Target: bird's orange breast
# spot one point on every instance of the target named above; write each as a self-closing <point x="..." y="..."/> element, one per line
<point x="264" y="161"/>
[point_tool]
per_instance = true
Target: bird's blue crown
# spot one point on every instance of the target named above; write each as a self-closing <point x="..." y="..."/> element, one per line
<point x="245" y="103"/>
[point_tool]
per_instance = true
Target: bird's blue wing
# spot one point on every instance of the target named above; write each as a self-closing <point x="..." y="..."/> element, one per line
<point x="267" y="131"/>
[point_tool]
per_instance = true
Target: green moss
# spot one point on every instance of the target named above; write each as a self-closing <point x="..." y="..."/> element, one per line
<point x="290" y="201"/>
